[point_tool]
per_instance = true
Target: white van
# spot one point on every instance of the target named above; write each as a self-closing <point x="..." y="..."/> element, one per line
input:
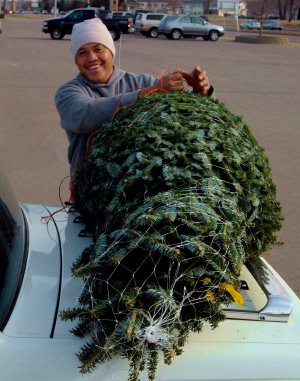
<point x="147" y="23"/>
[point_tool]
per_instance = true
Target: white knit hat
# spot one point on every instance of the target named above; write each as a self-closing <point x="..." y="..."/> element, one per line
<point x="89" y="31"/>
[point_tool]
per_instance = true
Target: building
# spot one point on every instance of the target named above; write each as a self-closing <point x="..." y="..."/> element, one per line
<point x="230" y="7"/>
<point x="195" y="7"/>
<point x="155" y="5"/>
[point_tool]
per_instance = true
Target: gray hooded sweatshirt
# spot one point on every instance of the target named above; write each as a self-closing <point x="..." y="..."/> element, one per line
<point x="83" y="106"/>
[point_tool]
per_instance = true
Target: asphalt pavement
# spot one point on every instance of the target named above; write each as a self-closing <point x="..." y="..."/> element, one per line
<point x="261" y="82"/>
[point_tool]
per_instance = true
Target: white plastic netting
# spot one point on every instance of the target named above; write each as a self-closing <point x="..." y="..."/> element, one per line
<point x="179" y="195"/>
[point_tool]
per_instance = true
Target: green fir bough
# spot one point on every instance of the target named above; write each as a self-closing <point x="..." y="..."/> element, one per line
<point x="179" y="195"/>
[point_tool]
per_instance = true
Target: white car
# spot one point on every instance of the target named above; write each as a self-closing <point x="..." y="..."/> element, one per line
<point x="39" y="243"/>
<point x="147" y="23"/>
<point x="273" y="25"/>
<point x="250" y="24"/>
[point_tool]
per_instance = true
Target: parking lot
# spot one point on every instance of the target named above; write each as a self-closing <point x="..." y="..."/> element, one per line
<point x="261" y="82"/>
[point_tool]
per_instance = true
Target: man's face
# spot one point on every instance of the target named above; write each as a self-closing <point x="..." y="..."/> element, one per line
<point x="95" y="62"/>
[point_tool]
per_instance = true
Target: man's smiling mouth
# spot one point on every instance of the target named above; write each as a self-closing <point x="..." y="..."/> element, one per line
<point x="94" y="67"/>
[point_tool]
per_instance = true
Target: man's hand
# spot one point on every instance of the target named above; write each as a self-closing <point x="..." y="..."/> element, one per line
<point x="170" y="82"/>
<point x="197" y="79"/>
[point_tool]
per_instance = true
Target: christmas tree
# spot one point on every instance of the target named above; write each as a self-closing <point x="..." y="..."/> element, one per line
<point x="179" y="195"/>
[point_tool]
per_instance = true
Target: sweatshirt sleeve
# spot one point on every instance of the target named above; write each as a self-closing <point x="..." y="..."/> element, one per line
<point x="82" y="114"/>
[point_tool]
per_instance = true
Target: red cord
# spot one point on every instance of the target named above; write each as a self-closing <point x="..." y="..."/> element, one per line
<point x="64" y="207"/>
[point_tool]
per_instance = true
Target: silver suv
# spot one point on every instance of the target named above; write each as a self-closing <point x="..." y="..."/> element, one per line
<point x="147" y="23"/>
<point x="175" y="27"/>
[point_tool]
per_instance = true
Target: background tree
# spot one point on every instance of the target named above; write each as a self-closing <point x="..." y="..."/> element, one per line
<point x="207" y="4"/>
<point x="261" y="8"/>
<point x="285" y="9"/>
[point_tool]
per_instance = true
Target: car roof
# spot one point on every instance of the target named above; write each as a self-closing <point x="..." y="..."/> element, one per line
<point x="146" y="15"/>
<point x="155" y="14"/>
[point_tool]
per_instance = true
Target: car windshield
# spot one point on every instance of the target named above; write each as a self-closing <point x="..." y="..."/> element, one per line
<point x="12" y="244"/>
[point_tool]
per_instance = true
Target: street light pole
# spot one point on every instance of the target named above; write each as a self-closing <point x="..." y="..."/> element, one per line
<point x="55" y="8"/>
<point x="237" y="15"/>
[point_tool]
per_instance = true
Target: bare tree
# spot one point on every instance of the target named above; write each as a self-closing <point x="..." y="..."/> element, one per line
<point x="292" y="8"/>
<point x="262" y="8"/>
<point x="176" y="6"/>
<point x="206" y="6"/>
<point x="287" y="8"/>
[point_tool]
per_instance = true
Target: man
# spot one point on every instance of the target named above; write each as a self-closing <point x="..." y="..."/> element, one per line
<point x="100" y="88"/>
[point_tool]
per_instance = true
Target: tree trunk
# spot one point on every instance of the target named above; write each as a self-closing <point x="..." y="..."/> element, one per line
<point x="291" y="6"/>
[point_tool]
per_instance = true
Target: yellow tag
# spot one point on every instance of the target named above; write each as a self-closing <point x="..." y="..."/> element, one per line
<point x="236" y="296"/>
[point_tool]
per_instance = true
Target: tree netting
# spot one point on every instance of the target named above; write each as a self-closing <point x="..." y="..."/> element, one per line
<point x="179" y="195"/>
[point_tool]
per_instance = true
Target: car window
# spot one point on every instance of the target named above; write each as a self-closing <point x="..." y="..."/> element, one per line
<point x="185" y="19"/>
<point x="103" y="14"/>
<point x="12" y="249"/>
<point x="76" y="15"/>
<point x="154" y="17"/>
<point x="88" y="14"/>
<point x="197" y="20"/>
<point x="7" y="232"/>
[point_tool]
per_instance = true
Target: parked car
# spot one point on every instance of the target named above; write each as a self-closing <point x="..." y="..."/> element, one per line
<point x="250" y="24"/>
<point x="59" y="27"/>
<point x="135" y="12"/>
<point x="147" y="23"/>
<point x="175" y="27"/>
<point x="20" y="11"/>
<point x="38" y="245"/>
<point x="273" y="25"/>
<point x="117" y="14"/>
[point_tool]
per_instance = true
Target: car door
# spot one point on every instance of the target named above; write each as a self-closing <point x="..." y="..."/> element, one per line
<point x="185" y="24"/>
<point x="199" y="26"/>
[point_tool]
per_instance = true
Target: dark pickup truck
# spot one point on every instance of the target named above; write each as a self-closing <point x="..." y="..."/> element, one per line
<point x="61" y="26"/>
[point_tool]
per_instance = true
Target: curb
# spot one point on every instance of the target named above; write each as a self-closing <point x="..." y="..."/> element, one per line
<point x="262" y="40"/>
